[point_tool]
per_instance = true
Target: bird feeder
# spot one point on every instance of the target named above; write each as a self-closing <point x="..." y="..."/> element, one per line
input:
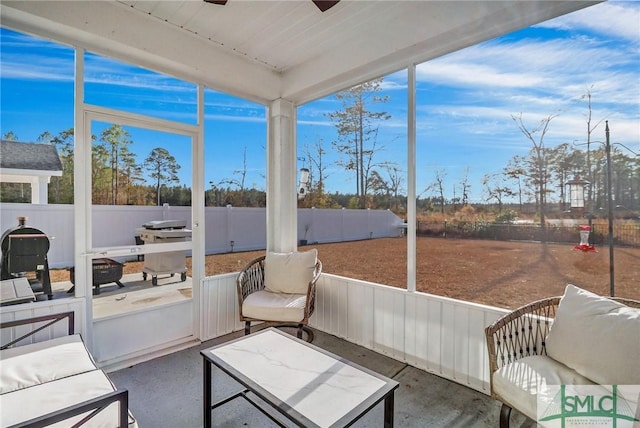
<point x="585" y="231"/>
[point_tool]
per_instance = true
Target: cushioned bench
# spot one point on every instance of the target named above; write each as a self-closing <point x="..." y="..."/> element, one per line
<point x="56" y="382"/>
<point x="577" y="339"/>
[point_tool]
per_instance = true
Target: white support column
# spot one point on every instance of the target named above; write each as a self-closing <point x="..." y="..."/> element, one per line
<point x="39" y="190"/>
<point x="282" y="220"/>
<point x="198" y="218"/>
<point x="82" y="197"/>
<point x="411" y="179"/>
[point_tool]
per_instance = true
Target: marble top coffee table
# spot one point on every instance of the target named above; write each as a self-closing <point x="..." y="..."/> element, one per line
<point x="306" y="384"/>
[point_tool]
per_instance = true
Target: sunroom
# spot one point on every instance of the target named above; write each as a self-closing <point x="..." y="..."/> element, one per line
<point x="282" y="55"/>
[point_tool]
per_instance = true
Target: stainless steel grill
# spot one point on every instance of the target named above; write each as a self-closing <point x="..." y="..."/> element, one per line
<point x="170" y="262"/>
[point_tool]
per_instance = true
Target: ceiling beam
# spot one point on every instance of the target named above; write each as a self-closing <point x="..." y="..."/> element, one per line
<point x="371" y="49"/>
<point x="120" y="32"/>
<point x="356" y="62"/>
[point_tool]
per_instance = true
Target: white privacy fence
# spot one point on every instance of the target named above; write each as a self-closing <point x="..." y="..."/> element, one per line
<point x="227" y="228"/>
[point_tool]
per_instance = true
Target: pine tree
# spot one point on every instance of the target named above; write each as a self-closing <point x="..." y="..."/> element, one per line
<point x="357" y="127"/>
<point x="163" y="168"/>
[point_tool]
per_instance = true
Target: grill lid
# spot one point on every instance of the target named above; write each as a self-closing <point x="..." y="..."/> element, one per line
<point x="165" y="224"/>
<point x="31" y="232"/>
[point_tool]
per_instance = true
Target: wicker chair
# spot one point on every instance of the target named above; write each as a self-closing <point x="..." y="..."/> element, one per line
<point x="522" y="333"/>
<point x="252" y="279"/>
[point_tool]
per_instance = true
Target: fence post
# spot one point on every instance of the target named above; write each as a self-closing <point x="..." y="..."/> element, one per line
<point x="230" y="240"/>
<point x="311" y="226"/>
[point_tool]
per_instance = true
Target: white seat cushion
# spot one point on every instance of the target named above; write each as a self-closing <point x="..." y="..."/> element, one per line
<point x="289" y="272"/>
<point x="36" y="363"/>
<point x="519" y="383"/>
<point x="29" y="403"/>
<point x="267" y="306"/>
<point x="597" y="337"/>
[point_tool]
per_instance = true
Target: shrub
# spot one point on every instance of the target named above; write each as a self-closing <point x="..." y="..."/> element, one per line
<point x="508" y="216"/>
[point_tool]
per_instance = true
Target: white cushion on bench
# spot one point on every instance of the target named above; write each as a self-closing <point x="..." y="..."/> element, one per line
<point x="518" y="383"/>
<point x="29" y="403"/>
<point x="597" y="337"/>
<point x="37" y="363"/>
<point x="268" y="306"/>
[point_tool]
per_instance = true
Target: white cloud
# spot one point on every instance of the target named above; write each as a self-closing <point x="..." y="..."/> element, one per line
<point x="325" y="123"/>
<point x="540" y="76"/>
<point x="612" y="18"/>
<point x="525" y="64"/>
<point x="391" y="83"/>
<point x="468" y="73"/>
<point x="36" y="67"/>
<point x="234" y="118"/>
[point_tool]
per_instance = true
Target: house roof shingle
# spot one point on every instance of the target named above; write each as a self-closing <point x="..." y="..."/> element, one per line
<point x="30" y="156"/>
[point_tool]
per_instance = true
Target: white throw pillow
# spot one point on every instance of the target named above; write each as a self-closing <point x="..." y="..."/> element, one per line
<point x="597" y="337"/>
<point x="289" y="272"/>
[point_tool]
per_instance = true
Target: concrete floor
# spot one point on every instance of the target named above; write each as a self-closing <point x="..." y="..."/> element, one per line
<point x="167" y="392"/>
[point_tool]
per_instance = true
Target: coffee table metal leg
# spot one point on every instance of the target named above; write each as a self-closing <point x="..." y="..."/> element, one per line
<point x="207" y="394"/>
<point x="388" y="411"/>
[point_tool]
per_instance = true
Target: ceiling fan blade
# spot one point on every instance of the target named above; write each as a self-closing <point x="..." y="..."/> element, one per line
<point x="325" y="5"/>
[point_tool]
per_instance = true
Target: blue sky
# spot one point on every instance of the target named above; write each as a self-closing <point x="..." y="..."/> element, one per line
<point x="465" y="101"/>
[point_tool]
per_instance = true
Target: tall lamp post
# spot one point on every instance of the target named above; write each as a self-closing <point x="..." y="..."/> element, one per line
<point x="609" y="187"/>
<point x="607" y="147"/>
<point x="576" y="187"/>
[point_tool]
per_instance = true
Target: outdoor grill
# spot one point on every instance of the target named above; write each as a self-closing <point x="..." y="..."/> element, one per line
<point x="24" y="252"/>
<point x="104" y="271"/>
<point x="171" y="262"/>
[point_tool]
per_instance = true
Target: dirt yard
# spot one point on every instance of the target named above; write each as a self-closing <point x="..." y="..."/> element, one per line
<point x="505" y="274"/>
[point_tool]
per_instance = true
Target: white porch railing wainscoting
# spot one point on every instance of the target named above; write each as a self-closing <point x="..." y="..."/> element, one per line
<point x="437" y="334"/>
<point x="227" y="229"/>
<point x="37" y="309"/>
<point x="125" y="339"/>
<point x="220" y="310"/>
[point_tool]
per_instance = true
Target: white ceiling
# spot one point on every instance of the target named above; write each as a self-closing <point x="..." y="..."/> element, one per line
<point x="265" y="50"/>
